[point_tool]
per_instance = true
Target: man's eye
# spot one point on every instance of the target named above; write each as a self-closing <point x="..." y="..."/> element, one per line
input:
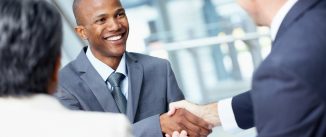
<point x="102" y="20"/>
<point x="122" y="14"/>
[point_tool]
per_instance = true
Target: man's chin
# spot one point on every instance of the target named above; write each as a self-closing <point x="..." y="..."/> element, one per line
<point x="118" y="53"/>
<point x="261" y="22"/>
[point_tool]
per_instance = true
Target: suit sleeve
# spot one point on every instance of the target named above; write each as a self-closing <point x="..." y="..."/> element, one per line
<point x="174" y="93"/>
<point x="243" y="110"/>
<point x="151" y="127"/>
<point x="148" y="127"/>
<point x="226" y="115"/>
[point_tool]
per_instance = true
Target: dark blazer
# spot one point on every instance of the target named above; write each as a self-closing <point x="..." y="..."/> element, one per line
<point x="288" y="97"/>
<point x="152" y="86"/>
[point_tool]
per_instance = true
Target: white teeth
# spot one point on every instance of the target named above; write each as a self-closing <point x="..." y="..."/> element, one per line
<point x="114" y="37"/>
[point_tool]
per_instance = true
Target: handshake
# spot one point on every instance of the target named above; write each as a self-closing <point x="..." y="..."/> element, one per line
<point x="198" y="115"/>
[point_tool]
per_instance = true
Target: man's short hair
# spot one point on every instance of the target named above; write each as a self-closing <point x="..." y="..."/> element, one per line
<point x="30" y="44"/>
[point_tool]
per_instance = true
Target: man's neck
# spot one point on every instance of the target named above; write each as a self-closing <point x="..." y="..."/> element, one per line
<point x="112" y="61"/>
<point x="278" y="18"/>
<point x="274" y="10"/>
<point x="103" y="68"/>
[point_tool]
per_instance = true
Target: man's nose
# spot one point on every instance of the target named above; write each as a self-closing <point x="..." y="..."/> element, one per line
<point x="113" y="25"/>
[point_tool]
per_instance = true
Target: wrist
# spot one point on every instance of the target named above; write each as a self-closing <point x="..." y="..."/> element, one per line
<point x="211" y="114"/>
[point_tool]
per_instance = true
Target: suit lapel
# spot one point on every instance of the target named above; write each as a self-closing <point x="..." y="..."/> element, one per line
<point x="294" y="14"/>
<point x="93" y="80"/>
<point x="135" y="74"/>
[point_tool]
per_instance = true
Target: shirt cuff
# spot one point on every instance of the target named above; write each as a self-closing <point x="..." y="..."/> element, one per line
<point x="226" y="115"/>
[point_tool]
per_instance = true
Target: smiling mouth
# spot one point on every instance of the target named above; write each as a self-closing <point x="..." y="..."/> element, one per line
<point x="115" y="37"/>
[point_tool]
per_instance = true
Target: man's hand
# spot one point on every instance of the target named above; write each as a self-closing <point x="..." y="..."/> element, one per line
<point x="184" y="120"/>
<point x="207" y="112"/>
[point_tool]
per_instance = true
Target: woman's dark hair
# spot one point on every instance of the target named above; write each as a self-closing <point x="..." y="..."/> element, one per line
<point x="30" y="44"/>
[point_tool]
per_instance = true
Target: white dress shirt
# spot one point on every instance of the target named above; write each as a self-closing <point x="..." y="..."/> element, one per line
<point x="225" y="110"/>
<point x="105" y="70"/>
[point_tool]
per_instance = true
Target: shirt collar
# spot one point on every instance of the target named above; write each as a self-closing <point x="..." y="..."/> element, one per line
<point x="103" y="69"/>
<point x="279" y="17"/>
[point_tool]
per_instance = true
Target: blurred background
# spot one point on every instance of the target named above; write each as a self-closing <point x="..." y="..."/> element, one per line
<point x="213" y="45"/>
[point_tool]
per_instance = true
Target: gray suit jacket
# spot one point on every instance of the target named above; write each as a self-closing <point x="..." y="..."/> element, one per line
<point x="152" y="86"/>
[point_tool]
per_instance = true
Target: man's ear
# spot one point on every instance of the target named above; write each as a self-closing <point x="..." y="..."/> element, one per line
<point x="81" y="32"/>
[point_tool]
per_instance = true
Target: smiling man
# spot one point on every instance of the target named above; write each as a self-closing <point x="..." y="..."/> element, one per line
<point x="106" y="78"/>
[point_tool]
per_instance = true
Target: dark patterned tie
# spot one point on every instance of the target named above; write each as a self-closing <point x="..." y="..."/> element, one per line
<point x="114" y="79"/>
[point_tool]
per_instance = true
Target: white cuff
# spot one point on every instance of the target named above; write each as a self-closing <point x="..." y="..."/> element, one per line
<point x="226" y="115"/>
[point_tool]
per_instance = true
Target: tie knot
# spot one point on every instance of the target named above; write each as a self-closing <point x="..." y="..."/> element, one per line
<point x="115" y="79"/>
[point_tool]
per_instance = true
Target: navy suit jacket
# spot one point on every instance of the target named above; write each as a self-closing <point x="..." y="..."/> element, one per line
<point x="288" y="95"/>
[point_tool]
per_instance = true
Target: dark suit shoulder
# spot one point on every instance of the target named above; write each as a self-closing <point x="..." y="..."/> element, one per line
<point x="302" y="48"/>
<point x="320" y="6"/>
